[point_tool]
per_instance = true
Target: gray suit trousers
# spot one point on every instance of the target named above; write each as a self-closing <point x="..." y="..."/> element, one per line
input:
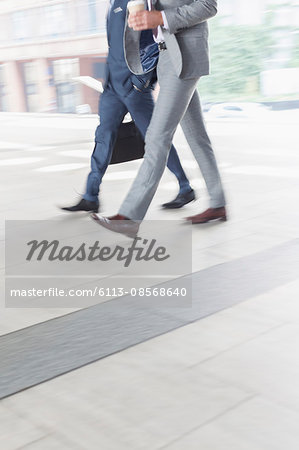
<point x="178" y="102"/>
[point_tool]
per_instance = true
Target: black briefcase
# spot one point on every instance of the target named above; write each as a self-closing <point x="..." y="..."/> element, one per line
<point x="129" y="144"/>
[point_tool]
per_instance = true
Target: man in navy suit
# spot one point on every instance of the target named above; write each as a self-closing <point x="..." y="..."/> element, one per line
<point x="126" y="92"/>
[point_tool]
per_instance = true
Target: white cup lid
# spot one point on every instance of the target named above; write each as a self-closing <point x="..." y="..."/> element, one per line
<point x="135" y="2"/>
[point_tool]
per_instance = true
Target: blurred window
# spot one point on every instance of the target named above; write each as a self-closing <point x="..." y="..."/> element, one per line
<point x="65" y="69"/>
<point x="99" y="70"/>
<point x="3" y="89"/>
<point x="21" y="24"/>
<point x="4" y="28"/>
<point x="31" y="85"/>
<point x="66" y="90"/>
<point x="91" y="16"/>
<point x="92" y="12"/>
<point x="55" y="20"/>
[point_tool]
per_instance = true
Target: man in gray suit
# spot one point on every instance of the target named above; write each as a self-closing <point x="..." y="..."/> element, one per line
<point x="183" y="60"/>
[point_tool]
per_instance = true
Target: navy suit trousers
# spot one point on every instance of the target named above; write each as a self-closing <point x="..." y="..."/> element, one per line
<point x="112" y="110"/>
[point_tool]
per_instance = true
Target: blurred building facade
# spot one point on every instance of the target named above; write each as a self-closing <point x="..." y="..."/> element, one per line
<point x="43" y="45"/>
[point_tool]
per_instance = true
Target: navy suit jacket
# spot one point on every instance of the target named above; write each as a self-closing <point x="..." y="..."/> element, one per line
<point x="149" y="55"/>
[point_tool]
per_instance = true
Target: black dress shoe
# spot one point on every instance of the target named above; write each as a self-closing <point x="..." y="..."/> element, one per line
<point x="180" y="200"/>
<point x="83" y="205"/>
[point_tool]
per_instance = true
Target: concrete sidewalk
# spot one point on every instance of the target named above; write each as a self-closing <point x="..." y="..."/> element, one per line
<point x="227" y="381"/>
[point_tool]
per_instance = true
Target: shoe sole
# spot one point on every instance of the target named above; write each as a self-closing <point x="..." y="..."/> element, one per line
<point x="81" y="210"/>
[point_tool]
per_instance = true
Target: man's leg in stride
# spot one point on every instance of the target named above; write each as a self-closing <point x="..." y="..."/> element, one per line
<point x="196" y="135"/>
<point x="111" y="111"/>
<point x="173" y="100"/>
<point x="141" y="105"/>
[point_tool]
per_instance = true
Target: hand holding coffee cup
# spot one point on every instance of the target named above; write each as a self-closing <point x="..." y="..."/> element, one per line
<point x="134" y="7"/>
<point x="140" y="18"/>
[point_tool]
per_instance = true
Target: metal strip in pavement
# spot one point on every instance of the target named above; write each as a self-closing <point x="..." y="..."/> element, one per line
<point x="43" y="351"/>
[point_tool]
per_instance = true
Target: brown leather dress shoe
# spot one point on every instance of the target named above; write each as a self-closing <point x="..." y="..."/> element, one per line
<point x="209" y="215"/>
<point x="118" y="224"/>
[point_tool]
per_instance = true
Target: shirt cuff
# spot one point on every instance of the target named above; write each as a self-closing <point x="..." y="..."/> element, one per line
<point x="165" y="23"/>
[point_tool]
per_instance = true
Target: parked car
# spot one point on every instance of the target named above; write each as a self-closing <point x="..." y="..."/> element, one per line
<point x="237" y="110"/>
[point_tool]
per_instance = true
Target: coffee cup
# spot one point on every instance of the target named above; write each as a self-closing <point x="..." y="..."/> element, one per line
<point x="135" y="6"/>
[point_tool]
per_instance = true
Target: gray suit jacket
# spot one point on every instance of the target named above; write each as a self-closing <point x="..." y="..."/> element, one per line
<point x="186" y="39"/>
